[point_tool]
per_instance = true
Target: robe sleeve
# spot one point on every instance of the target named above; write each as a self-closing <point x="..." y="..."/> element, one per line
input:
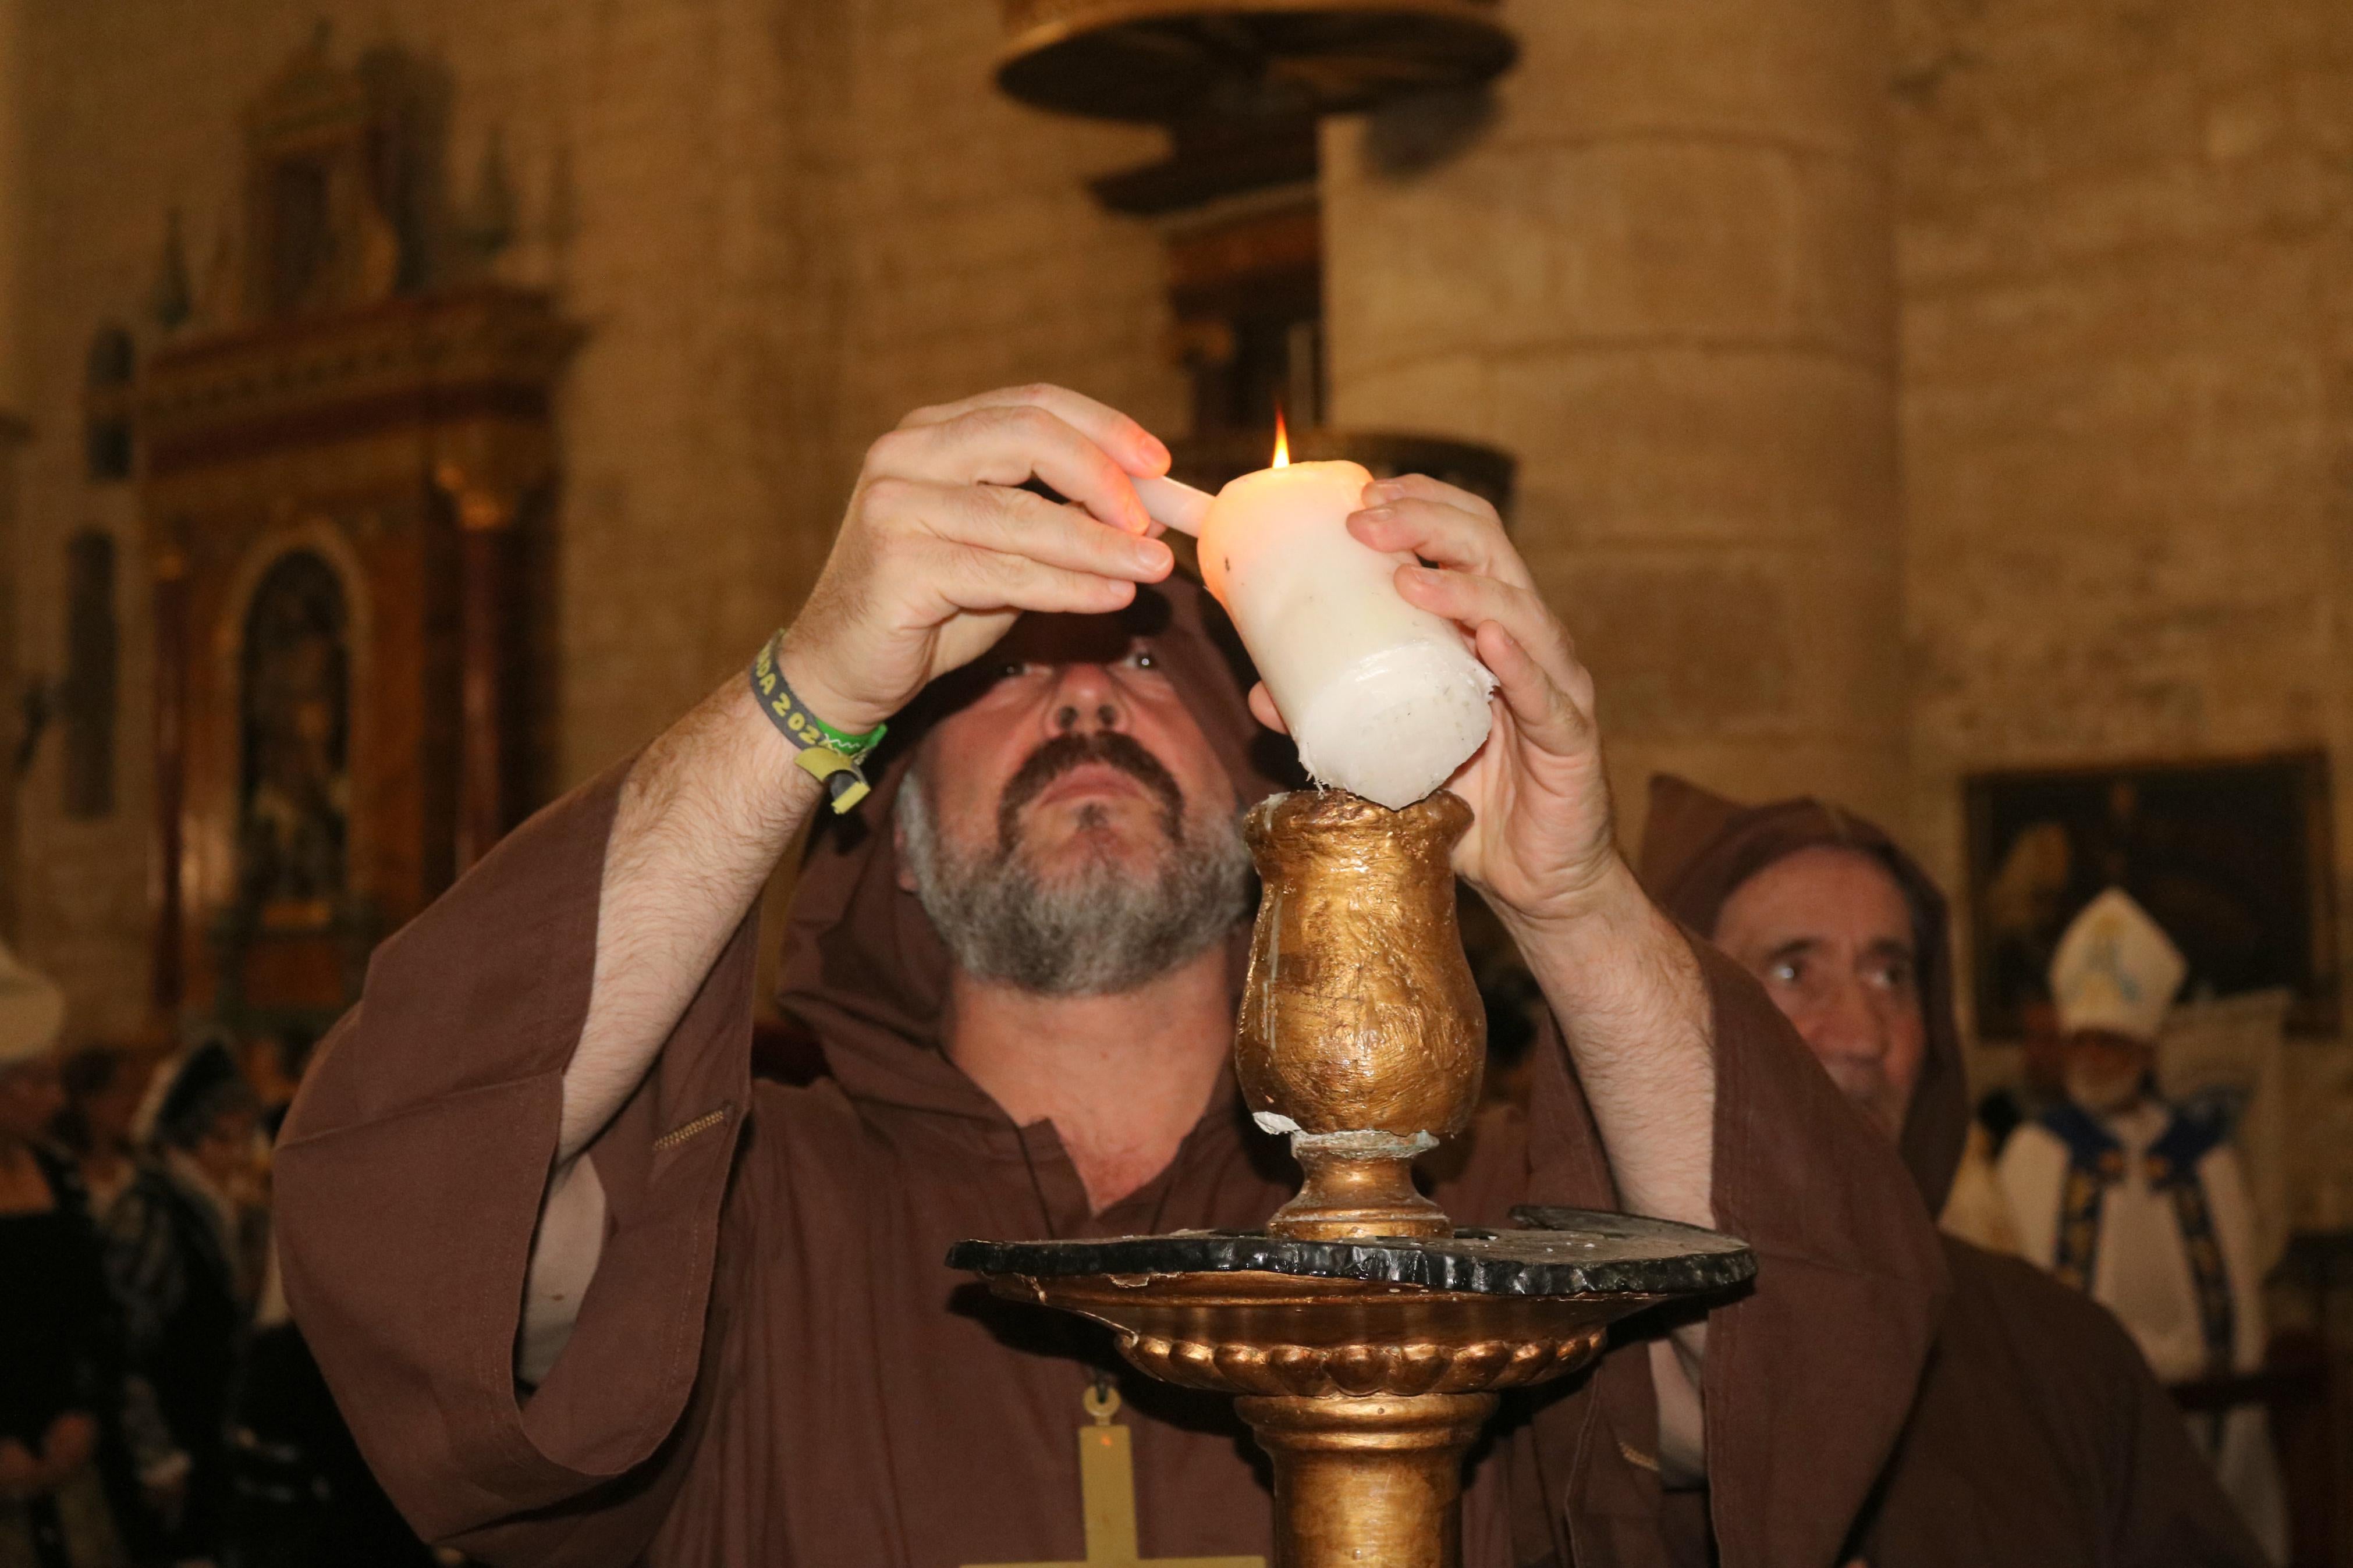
<point x="1811" y="1372"/>
<point x="1809" y="1377"/>
<point x="409" y="1180"/>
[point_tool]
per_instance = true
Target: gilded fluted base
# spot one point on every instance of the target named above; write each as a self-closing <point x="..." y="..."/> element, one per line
<point x="1369" y="1480"/>
<point x="1280" y="1335"/>
<point x="1366" y="1395"/>
<point x="1365" y="1364"/>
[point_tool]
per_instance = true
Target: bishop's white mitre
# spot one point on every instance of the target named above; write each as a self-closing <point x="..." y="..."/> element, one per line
<point x="2115" y="970"/>
<point x="32" y="1010"/>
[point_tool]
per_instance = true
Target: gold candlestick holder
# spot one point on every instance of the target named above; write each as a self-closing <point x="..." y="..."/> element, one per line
<point x="1367" y="1338"/>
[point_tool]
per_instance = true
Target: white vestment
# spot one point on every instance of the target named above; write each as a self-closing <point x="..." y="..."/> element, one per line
<point x="2142" y="1272"/>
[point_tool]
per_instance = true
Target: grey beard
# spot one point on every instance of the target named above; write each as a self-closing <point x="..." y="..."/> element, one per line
<point x="2105" y="1094"/>
<point x="1104" y="932"/>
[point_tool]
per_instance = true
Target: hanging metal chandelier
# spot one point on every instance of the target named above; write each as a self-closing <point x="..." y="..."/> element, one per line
<point x="1167" y="61"/>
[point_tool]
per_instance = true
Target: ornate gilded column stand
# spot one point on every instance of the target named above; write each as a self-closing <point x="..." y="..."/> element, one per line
<point x="1366" y="1337"/>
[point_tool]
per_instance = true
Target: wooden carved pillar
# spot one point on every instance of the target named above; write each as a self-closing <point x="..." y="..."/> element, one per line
<point x="167" y="984"/>
<point x="486" y="516"/>
<point x="349" y="620"/>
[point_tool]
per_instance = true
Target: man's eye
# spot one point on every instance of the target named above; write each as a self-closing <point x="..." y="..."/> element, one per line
<point x="1011" y="668"/>
<point x="1897" y="976"/>
<point x="1144" y="658"/>
<point x="1787" y="971"/>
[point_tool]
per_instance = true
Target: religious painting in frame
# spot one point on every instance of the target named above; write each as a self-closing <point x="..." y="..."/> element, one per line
<point x="294" y="742"/>
<point x="2232" y="858"/>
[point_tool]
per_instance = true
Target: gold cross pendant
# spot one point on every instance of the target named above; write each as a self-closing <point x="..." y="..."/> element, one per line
<point x="1107" y="1496"/>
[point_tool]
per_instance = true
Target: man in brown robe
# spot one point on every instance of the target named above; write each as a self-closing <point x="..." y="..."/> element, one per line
<point x="590" y="1295"/>
<point x="2039" y="1434"/>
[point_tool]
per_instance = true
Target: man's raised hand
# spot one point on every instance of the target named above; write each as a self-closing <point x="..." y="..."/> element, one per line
<point x="939" y="551"/>
<point x="1541" y="845"/>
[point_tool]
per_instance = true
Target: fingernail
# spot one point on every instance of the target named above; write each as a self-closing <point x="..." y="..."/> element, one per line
<point x="1156" y="451"/>
<point x="1151" y="555"/>
<point x="1376" y="514"/>
<point x="1381" y="490"/>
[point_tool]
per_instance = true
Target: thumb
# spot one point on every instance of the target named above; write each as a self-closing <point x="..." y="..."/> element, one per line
<point x="1263" y="707"/>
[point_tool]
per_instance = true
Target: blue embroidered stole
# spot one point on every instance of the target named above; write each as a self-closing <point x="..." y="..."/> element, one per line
<point x="2095" y="1162"/>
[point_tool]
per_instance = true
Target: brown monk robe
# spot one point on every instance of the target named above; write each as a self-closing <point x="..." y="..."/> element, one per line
<point x="2039" y="1434"/>
<point x="773" y="1363"/>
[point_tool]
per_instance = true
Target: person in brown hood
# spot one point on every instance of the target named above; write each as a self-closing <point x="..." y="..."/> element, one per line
<point x="592" y="1295"/>
<point x="2038" y="1434"/>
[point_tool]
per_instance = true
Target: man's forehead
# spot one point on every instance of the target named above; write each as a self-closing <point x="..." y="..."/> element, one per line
<point x="1821" y="887"/>
<point x="1039" y="638"/>
<point x="1084" y="639"/>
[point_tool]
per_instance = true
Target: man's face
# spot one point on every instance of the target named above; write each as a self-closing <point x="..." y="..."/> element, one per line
<point x="225" y="1152"/>
<point x="1070" y="829"/>
<point x="1829" y="932"/>
<point x="2104" y="1070"/>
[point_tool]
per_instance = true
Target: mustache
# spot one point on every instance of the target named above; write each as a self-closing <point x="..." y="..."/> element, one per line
<point x="1064" y="752"/>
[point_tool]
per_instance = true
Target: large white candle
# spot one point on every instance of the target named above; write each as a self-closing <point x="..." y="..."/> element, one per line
<point x="1383" y="699"/>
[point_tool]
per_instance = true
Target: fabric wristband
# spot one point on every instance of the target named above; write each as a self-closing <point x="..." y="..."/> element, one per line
<point x="827" y="754"/>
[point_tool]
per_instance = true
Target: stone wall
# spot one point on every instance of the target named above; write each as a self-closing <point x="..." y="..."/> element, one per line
<point x="782" y="226"/>
<point x="2126" y="265"/>
<point x="1656" y="266"/>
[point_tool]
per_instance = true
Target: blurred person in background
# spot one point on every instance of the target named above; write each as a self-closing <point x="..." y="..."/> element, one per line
<point x="58" y="1369"/>
<point x="301" y="1494"/>
<point x="2041" y="1085"/>
<point x="184" y="1254"/>
<point x="2037" y="1433"/>
<point x="103" y="1086"/>
<point x="2141" y="1203"/>
<point x="273" y="1067"/>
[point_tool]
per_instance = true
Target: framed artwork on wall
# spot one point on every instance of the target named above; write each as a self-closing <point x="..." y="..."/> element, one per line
<point x="2232" y="858"/>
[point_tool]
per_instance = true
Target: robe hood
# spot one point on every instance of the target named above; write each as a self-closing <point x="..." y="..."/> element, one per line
<point x="1698" y="846"/>
<point x="863" y="968"/>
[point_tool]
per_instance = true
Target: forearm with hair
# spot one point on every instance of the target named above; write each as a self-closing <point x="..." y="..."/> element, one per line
<point x="703" y="816"/>
<point x="702" y="820"/>
<point x="1633" y="1007"/>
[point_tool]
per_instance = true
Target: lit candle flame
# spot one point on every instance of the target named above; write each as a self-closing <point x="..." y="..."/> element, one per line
<point x="1281" y="443"/>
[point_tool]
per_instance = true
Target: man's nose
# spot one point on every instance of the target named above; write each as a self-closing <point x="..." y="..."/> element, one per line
<point x="1848" y="1027"/>
<point x="1084" y="698"/>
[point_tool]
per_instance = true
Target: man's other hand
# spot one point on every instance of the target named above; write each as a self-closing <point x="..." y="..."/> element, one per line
<point x="939" y="551"/>
<point x="1541" y="848"/>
